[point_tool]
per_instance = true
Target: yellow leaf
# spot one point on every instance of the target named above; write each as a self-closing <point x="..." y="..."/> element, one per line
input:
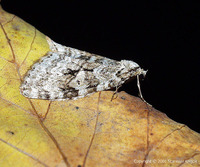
<point x="93" y="131"/>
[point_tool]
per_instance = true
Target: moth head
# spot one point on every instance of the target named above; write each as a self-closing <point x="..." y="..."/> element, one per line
<point x="130" y="69"/>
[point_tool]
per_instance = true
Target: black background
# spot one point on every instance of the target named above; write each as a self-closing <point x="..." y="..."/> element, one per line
<point x="163" y="37"/>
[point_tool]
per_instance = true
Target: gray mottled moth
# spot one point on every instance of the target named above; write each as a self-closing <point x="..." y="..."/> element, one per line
<point x="68" y="73"/>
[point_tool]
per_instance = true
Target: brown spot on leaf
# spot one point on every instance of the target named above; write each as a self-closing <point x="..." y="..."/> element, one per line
<point x="123" y="98"/>
<point x="16" y="27"/>
<point x="10" y="132"/>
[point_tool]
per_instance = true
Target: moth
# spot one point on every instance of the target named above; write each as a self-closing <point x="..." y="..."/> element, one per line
<point x="68" y="73"/>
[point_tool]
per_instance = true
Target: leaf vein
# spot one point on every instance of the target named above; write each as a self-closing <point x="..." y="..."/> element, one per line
<point x="23" y="152"/>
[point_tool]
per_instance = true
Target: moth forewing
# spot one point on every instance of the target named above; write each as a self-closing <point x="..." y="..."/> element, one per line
<point x="68" y="73"/>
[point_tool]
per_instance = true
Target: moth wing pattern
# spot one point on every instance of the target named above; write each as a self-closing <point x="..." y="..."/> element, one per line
<point x="68" y="73"/>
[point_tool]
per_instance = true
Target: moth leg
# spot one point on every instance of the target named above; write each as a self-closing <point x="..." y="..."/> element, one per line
<point x="140" y="92"/>
<point x="114" y="96"/>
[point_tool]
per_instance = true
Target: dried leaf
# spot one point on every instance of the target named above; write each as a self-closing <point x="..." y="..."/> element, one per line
<point x="92" y="131"/>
